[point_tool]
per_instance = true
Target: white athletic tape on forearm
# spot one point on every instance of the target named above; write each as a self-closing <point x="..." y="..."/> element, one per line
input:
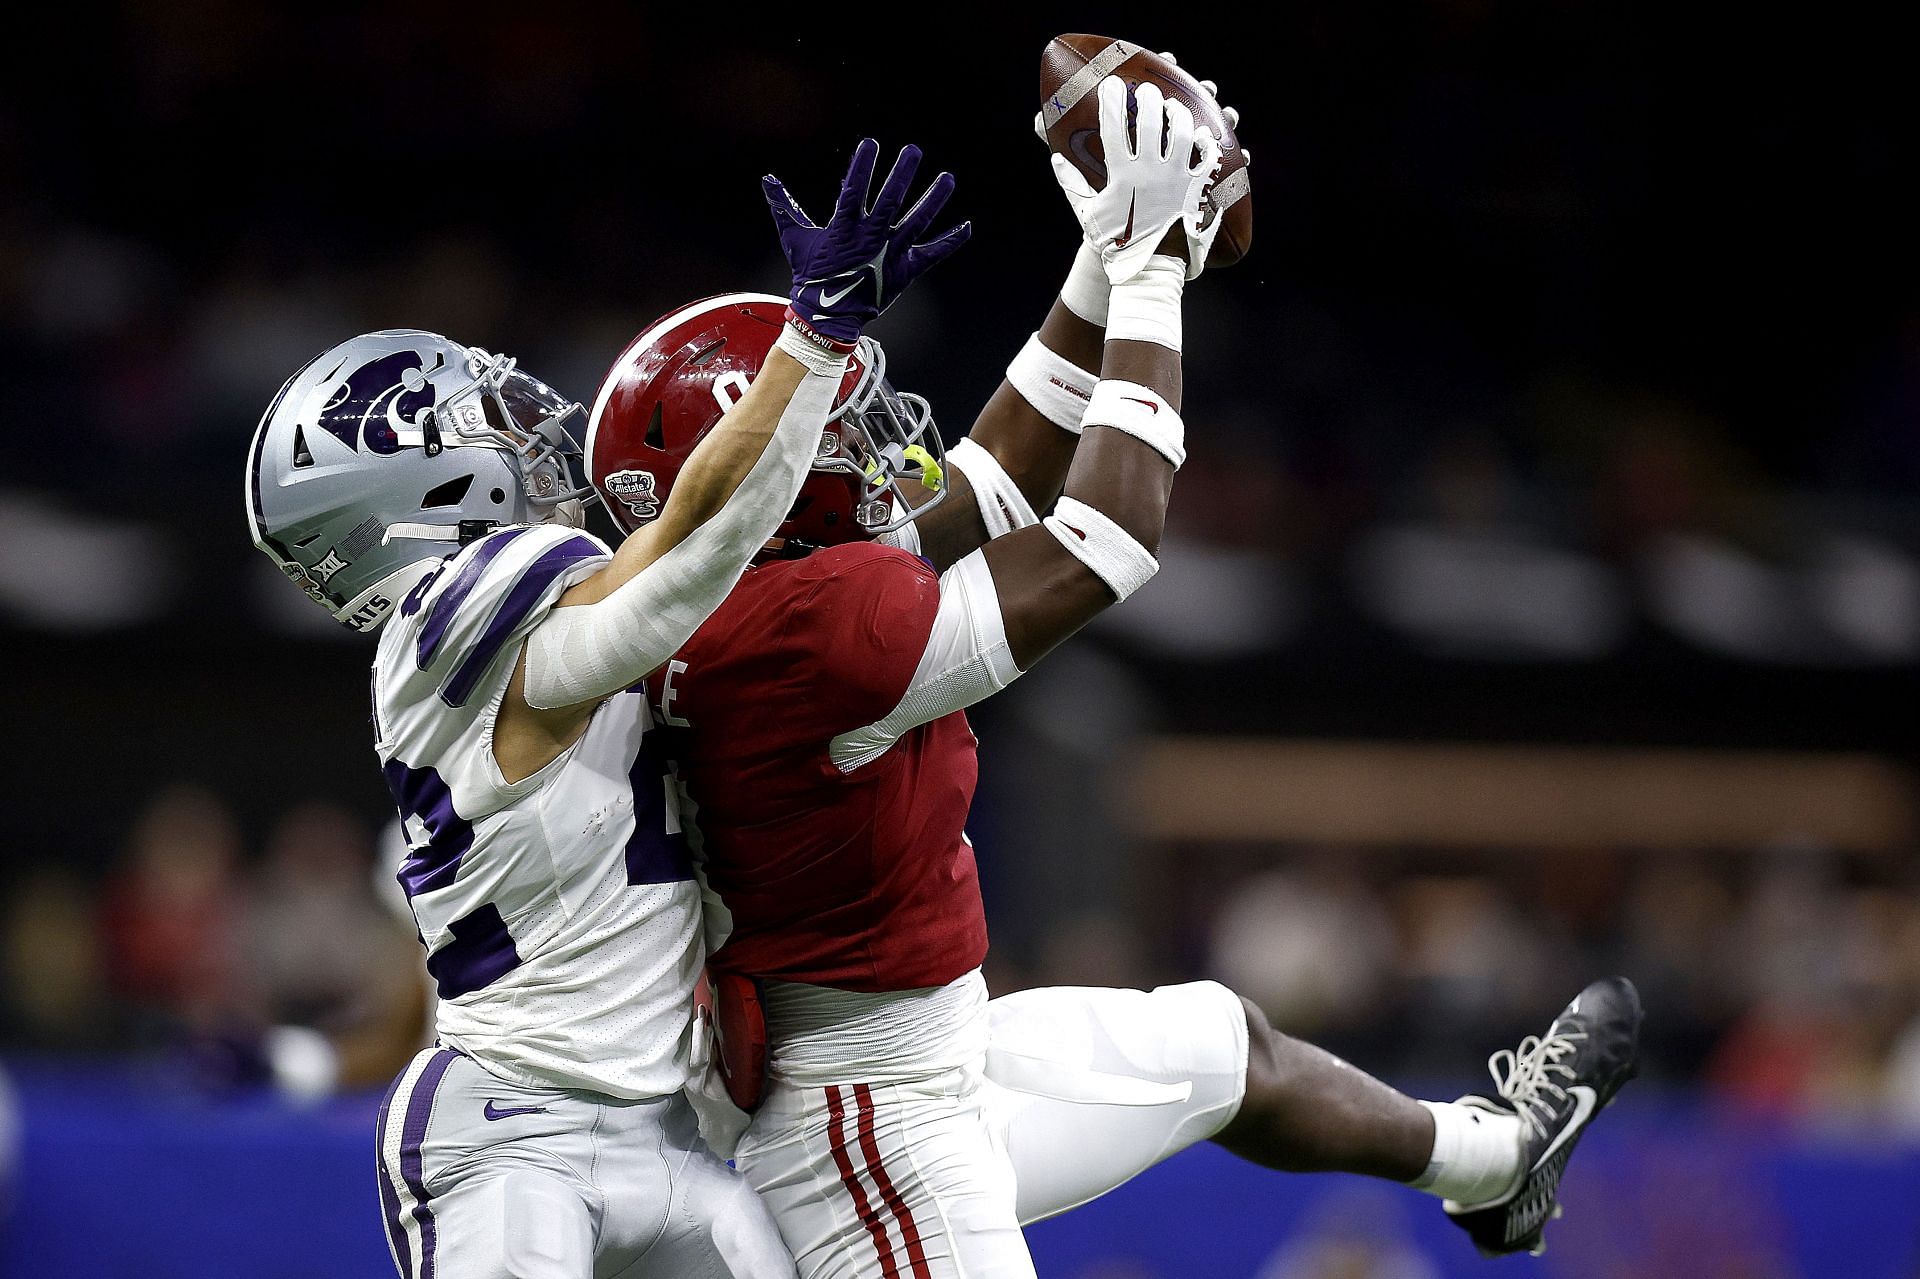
<point x="1055" y="386"/>
<point x="1141" y="412"/>
<point x="1003" y="507"/>
<point x="1108" y="551"/>
<point x="590" y="651"/>
<point x="1087" y="290"/>
<point x="816" y="358"/>
<point x="1146" y="307"/>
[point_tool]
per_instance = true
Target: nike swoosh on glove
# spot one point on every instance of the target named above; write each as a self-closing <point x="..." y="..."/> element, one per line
<point x="850" y="270"/>
<point x="1150" y="183"/>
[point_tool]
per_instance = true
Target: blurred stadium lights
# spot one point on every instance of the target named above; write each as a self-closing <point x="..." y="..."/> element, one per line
<point x="69" y="571"/>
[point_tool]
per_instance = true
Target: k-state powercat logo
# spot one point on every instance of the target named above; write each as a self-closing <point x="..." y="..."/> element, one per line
<point x="634" y="490"/>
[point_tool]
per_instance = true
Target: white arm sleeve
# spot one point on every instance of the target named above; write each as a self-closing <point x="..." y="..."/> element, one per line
<point x="590" y="651"/>
<point x="966" y="660"/>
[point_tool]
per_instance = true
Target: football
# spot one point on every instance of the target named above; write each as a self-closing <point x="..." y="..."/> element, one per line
<point x="1073" y="65"/>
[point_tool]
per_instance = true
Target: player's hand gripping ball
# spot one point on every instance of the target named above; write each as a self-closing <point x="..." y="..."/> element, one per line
<point x="1071" y="69"/>
<point x="1159" y="165"/>
<point x="850" y="270"/>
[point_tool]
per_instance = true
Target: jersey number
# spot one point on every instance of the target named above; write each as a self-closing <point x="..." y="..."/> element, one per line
<point x="657" y="850"/>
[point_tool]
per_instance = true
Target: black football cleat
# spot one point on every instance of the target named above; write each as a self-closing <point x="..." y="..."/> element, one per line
<point x="1556" y="1084"/>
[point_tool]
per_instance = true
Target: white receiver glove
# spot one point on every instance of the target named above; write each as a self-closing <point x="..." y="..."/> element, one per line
<point x="1150" y="186"/>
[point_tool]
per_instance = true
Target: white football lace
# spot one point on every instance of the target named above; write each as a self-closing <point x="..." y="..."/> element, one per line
<point x="1525" y="1075"/>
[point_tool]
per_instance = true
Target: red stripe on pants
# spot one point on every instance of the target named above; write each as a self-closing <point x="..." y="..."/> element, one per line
<point x="836" y="1114"/>
<point x="916" y="1256"/>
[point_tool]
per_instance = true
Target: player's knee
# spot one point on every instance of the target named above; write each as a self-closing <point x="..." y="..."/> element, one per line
<point x="1263" y="1057"/>
<point x="546" y="1229"/>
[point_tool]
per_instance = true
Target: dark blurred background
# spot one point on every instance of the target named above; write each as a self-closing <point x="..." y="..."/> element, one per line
<point x="1542" y="594"/>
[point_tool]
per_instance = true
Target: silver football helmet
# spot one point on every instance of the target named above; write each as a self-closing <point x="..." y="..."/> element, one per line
<point x="390" y="451"/>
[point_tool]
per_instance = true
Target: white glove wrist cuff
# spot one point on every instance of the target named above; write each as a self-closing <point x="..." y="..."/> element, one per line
<point x="1146" y="308"/>
<point x="1087" y="288"/>
<point x="1141" y="412"/>
<point x="1109" y="551"/>
<point x="1056" y="387"/>
<point x="1003" y="507"/>
<point x="811" y="354"/>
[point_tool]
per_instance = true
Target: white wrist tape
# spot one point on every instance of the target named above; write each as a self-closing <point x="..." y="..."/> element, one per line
<point x="1055" y="386"/>
<point x="1141" y="412"/>
<point x="1003" y="507"/>
<point x="1087" y="288"/>
<point x="816" y="358"/>
<point x="590" y="651"/>
<point x="1146" y="308"/>
<point x="1108" y="551"/>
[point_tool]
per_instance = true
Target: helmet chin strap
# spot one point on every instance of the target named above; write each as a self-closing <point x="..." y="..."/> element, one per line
<point x="424" y="532"/>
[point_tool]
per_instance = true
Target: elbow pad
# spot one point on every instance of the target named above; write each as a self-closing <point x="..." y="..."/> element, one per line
<point x="587" y="652"/>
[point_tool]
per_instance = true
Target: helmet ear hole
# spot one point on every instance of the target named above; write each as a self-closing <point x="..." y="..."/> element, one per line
<point x="498" y="496"/>
<point x="448" y="494"/>
<point x="302" y="455"/>
<point x="656" y="437"/>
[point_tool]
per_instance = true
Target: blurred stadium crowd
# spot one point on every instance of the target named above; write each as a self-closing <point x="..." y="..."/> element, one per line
<point x="1570" y="393"/>
<point x="1787" y="982"/>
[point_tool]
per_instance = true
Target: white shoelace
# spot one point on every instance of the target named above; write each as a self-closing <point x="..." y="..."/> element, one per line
<point x="1523" y="1076"/>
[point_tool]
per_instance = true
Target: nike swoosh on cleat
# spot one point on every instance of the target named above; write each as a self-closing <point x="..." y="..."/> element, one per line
<point x="1584" y="1102"/>
<point x="494" y="1113"/>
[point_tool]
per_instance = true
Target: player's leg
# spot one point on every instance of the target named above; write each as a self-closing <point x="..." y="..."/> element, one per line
<point x="475" y="1176"/>
<point x="1101" y="1084"/>
<point x="1306" y="1110"/>
<point x="1299" y="1108"/>
<point x="1088" y="1086"/>
<point x="887" y="1181"/>
<point x="674" y="1209"/>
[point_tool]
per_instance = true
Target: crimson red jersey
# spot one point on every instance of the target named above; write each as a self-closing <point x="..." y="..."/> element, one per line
<point x="863" y="880"/>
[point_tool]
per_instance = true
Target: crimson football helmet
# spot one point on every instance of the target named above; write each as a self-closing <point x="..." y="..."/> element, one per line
<point x="678" y="378"/>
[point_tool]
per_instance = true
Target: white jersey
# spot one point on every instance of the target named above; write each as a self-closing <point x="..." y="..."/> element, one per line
<point x="559" y="912"/>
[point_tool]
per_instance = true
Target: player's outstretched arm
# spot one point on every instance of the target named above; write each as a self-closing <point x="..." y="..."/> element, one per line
<point x="616" y="627"/>
<point x="1100" y="543"/>
<point x="1003" y="606"/>
<point x="1014" y="461"/>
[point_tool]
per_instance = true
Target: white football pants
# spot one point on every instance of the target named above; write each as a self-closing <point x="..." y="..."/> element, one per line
<point x="483" y="1179"/>
<point x="1080" y="1090"/>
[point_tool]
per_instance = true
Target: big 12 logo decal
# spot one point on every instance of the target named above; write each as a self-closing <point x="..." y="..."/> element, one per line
<point x="634" y="489"/>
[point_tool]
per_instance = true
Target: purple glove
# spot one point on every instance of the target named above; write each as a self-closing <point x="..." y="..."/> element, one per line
<point x="850" y="270"/>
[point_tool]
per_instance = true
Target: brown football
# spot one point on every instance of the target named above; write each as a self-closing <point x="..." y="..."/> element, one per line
<point x="1070" y="69"/>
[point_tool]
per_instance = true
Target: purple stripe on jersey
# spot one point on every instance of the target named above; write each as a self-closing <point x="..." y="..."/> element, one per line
<point x="533" y="583"/>
<point x="412" y="1134"/>
<point x="389" y="1198"/>
<point x="433" y="628"/>
<point x="481" y="952"/>
<point x="419" y="792"/>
